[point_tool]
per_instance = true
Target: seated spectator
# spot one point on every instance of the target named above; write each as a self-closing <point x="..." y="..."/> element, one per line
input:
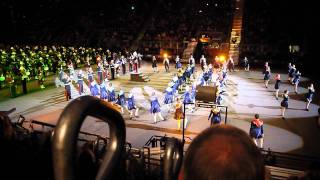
<point x="223" y="152"/>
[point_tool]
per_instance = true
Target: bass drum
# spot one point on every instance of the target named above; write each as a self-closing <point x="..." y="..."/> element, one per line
<point x="206" y="94"/>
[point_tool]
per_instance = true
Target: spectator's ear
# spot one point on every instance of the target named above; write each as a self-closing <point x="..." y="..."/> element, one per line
<point x="267" y="173"/>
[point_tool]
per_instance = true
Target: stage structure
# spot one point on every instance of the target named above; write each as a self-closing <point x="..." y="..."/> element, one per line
<point x="205" y="98"/>
<point x="140" y="77"/>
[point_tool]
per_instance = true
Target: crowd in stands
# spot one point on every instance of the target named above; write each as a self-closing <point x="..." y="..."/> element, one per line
<point x="115" y="24"/>
<point x="179" y="21"/>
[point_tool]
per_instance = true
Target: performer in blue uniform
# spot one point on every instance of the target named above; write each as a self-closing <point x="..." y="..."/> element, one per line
<point x="100" y="71"/>
<point x="291" y="72"/>
<point x="192" y="64"/>
<point x="218" y="96"/>
<point x="71" y="70"/>
<point x="155" y="108"/>
<point x="187" y="74"/>
<point x="246" y="64"/>
<point x="256" y="130"/>
<point x="121" y="100"/>
<point x="267" y="74"/>
<point x="111" y="93"/>
<point x="230" y="63"/>
<point x="67" y="85"/>
<point x="310" y="95"/>
<point x="215" y="115"/>
<point x="61" y="73"/>
<point x="168" y="98"/>
<point x="188" y="98"/>
<point x="296" y="80"/>
<point x="123" y="64"/>
<point x="200" y="80"/>
<point x="94" y="89"/>
<point x="203" y="62"/>
<point x="277" y="85"/>
<point x="80" y="82"/>
<point x="154" y="64"/>
<point x="90" y="75"/>
<point x="284" y="103"/>
<point x="131" y="106"/>
<point x="103" y="92"/>
<point x="178" y="63"/>
<point x="206" y="76"/>
<point x="193" y="91"/>
<point x="175" y="84"/>
<point x="166" y="63"/>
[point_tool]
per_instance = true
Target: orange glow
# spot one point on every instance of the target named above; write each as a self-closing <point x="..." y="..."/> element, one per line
<point x="165" y="55"/>
<point x="222" y="59"/>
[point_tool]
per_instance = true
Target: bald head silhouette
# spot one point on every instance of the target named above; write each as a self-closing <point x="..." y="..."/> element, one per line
<point x="223" y="152"/>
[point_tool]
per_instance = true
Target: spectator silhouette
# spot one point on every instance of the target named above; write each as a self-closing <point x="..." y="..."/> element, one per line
<point x="223" y="152"/>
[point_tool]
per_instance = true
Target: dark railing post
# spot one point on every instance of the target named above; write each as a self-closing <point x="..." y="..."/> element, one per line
<point x="183" y="121"/>
<point x="66" y="134"/>
<point x="172" y="159"/>
<point x="225" y="119"/>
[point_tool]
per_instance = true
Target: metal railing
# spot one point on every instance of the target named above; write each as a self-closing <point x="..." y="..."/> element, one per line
<point x="289" y="160"/>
